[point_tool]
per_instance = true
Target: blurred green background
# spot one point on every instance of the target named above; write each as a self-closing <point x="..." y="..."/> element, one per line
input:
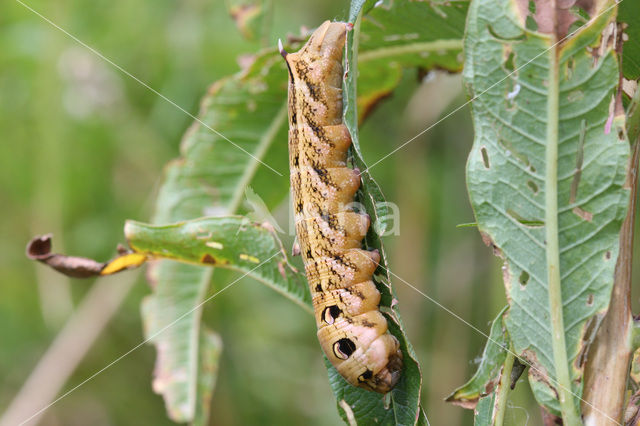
<point x="83" y="149"/>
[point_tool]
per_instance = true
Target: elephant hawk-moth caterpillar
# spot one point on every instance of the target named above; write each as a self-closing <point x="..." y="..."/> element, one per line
<point x="351" y="329"/>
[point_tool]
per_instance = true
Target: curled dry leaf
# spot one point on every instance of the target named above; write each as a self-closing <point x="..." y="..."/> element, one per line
<point x="39" y="248"/>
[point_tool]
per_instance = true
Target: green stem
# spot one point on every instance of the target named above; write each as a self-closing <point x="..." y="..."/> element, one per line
<point x="567" y="406"/>
<point x="505" y="387"/>
<point x="412" y="48"/>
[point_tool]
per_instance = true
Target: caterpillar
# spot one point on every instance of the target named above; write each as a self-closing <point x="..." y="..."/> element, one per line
<point x="351" y="329"/>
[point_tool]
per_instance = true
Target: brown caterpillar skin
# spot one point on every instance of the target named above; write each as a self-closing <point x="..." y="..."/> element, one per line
<point x="352" y="331"/>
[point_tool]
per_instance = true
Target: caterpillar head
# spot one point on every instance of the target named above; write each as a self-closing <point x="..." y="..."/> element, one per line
<point x="362" y="350"/>
<point x="386" y="378"/>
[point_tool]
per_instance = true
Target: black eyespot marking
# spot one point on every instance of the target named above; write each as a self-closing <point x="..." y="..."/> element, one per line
<point x="365" y="376"/>
<point x="343" y="348"/>
<point x="330" y="314"/>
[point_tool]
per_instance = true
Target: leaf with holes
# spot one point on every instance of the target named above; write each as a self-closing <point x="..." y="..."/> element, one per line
<point x="231" y="242"/>
<point x="249" y="109"/>
<point x="545" y="178"/>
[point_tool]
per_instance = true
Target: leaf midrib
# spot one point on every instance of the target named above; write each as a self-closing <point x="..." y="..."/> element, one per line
<point x="561" y="365"/>
<point x="418" y="47"/>
<point x="254" y="162"/>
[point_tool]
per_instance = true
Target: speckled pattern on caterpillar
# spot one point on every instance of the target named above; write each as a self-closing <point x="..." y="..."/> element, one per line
<point x="352" y="331"/>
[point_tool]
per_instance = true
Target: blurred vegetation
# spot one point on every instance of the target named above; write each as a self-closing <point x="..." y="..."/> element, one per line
<point x="84" y="147"/>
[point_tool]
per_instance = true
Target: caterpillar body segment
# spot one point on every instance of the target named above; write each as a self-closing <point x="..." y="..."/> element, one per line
<point x="351" y="330"/>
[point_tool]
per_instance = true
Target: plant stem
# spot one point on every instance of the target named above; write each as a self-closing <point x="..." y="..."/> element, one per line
<point x="67" y="350"/>
<point x="607" y="369"/>
<point x="505" y="387"/>
<point x="567" y="405"/>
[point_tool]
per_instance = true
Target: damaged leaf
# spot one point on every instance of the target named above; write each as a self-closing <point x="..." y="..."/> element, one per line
<point x="483" y="413"/>
<point x="39" y="248"/>
<point x="209" y="357"/>
<point x="556" y="139"/>
<point x="628" y="15"/>
<point x="250" y="17"/>
<point x="487" y="376"/>
<point x="209" y="179"/>
<point x="228" y="242"/>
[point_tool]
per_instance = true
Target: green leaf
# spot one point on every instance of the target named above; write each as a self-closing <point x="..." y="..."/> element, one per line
<point x="231" y="242"/>
<point x="251" y="17"/>
<point x="487" y="376"/>
<point x="210" y="350"/>
<point x="399" y="407"/>
<point x="402" y="404"/>
<point x="628" y="13"/>
<point x="491" y="408"/>
<point x="210" y="178"/>
<point x="520" y="120"/>
<point x="402" y="34"/>
<point x="484" y="411"/>
<point x="174" y="330"/>
<point x="634" y="373"/>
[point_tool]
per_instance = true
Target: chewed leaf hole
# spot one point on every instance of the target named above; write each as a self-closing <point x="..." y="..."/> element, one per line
<point x="530" y="22"/>
<point x="494" y="32"/>
<point x="621" y="135"/>
<point x="509" y="62"/>
<point x="523" y="220"/>
<point x="580" y="15"/>
<point x="590" y="300"/>
<point x="524" y="278"/>
<point x="571" y="64"/>
<point x="533" y="186"/>
<point x="575" y="95"/>
<point x="485" y="157"/>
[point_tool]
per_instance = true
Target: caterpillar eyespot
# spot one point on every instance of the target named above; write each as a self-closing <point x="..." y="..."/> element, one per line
<point x="352" y="332"/>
